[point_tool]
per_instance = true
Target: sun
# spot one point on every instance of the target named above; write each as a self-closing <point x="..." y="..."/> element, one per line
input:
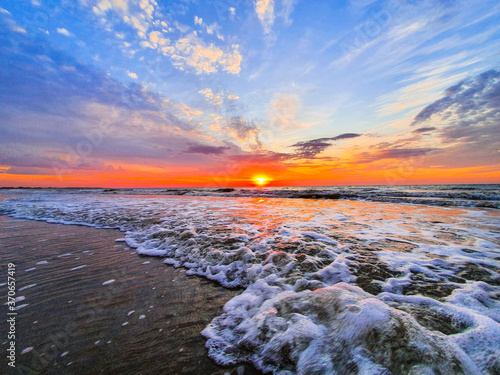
<point x="261" y="180"/>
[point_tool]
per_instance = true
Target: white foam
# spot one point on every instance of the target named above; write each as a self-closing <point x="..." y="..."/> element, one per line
<point x="27" y="350"/>
<point x="27" y="287"/>
<point x="108" y="282"/>
<point x="78" y="268"/>
<point x="41" y="262"/>
<point x="324" y="331"/>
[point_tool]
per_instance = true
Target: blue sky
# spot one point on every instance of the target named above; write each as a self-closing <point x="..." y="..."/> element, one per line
<point x="184" y="88"/>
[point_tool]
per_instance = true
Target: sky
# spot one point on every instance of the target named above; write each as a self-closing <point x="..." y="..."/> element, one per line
<point x="145" y="93"/>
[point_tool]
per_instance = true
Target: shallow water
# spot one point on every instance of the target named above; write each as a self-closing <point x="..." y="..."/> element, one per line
<point x="397" y="287"/>
<point x="120" y="314"/>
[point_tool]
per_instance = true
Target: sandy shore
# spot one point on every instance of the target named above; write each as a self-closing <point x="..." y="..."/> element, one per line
<point x="147" y="321"/>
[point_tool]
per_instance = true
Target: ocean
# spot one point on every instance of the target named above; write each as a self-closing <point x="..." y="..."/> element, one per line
<point x="334" y="280"/>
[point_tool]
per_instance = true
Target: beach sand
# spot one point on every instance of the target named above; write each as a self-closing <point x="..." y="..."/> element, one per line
<point x="147" y="321"/>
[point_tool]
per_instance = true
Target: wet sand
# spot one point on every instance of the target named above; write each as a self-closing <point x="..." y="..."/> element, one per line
<point x="147" y="321"/>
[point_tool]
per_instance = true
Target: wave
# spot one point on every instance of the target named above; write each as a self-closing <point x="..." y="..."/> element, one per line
<point x="329" y="286"/>
<point x="483" y="196"/>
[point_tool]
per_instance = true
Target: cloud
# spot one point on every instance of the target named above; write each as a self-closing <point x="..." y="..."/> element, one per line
<point x="29" y="162"/>
<point x="395" y="153"/>
<point x="10" y="23"/>
<point x="287" y="7"/>
<point x="465" y="126"/>
<point x="188" y="51"/>
<point x="467" y="119"/>
<point x="197" y="148"/>
<point x="309" y="149"/>
<point x="424" y="130"/>
<point x="136" y="13"/>
<point x="213" y="98"/>
<point x="244" y="132"/>
<point x="212" y="29"/>
<point x="18" y="29"/>
<point x="64" y="32"/>
<point x="192" y="52"/>
<point x="216" y="98"/>
<point x="283" y="113"/>
<point x="132" y="75"/>
<point x="266" y="158"/>
<point x="54" y="118"/>
<point x="479" y="95"/>
<point x="265" y="13"/>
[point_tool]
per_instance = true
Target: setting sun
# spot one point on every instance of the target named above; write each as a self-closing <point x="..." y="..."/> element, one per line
<point x="261" y="180"/>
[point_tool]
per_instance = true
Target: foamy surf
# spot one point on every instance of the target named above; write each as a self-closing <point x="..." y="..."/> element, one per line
<point x="330" y="286"/>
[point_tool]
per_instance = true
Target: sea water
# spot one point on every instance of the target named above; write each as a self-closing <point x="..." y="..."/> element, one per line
<point x="383" y="282"/>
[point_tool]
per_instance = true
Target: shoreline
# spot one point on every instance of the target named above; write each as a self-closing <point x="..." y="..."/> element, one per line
<point x="77" y="321"/>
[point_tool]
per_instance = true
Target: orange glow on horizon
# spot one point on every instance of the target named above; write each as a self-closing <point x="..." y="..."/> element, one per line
<point x="131" y="176"/>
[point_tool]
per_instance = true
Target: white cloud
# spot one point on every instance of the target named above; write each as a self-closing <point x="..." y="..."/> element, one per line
<point x="64" y="32"/>
<point x="192" y="52"/>
<point x="265" y="12"/>
<point x="44" y="58"/>
<point x="136" y="13"/>
<point x="132" y="75"/>
<point x="213" y="98"/>
<point x="426" y="83"/>
<point x="212" y="29"/>
<point x="13" y="26"/>
<point x="287" y="7"/>
<point x="18" y="29"/>
<point x="217" y="98"/>
<point x="245" y="133"/>
<point x="187" y="51"/>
